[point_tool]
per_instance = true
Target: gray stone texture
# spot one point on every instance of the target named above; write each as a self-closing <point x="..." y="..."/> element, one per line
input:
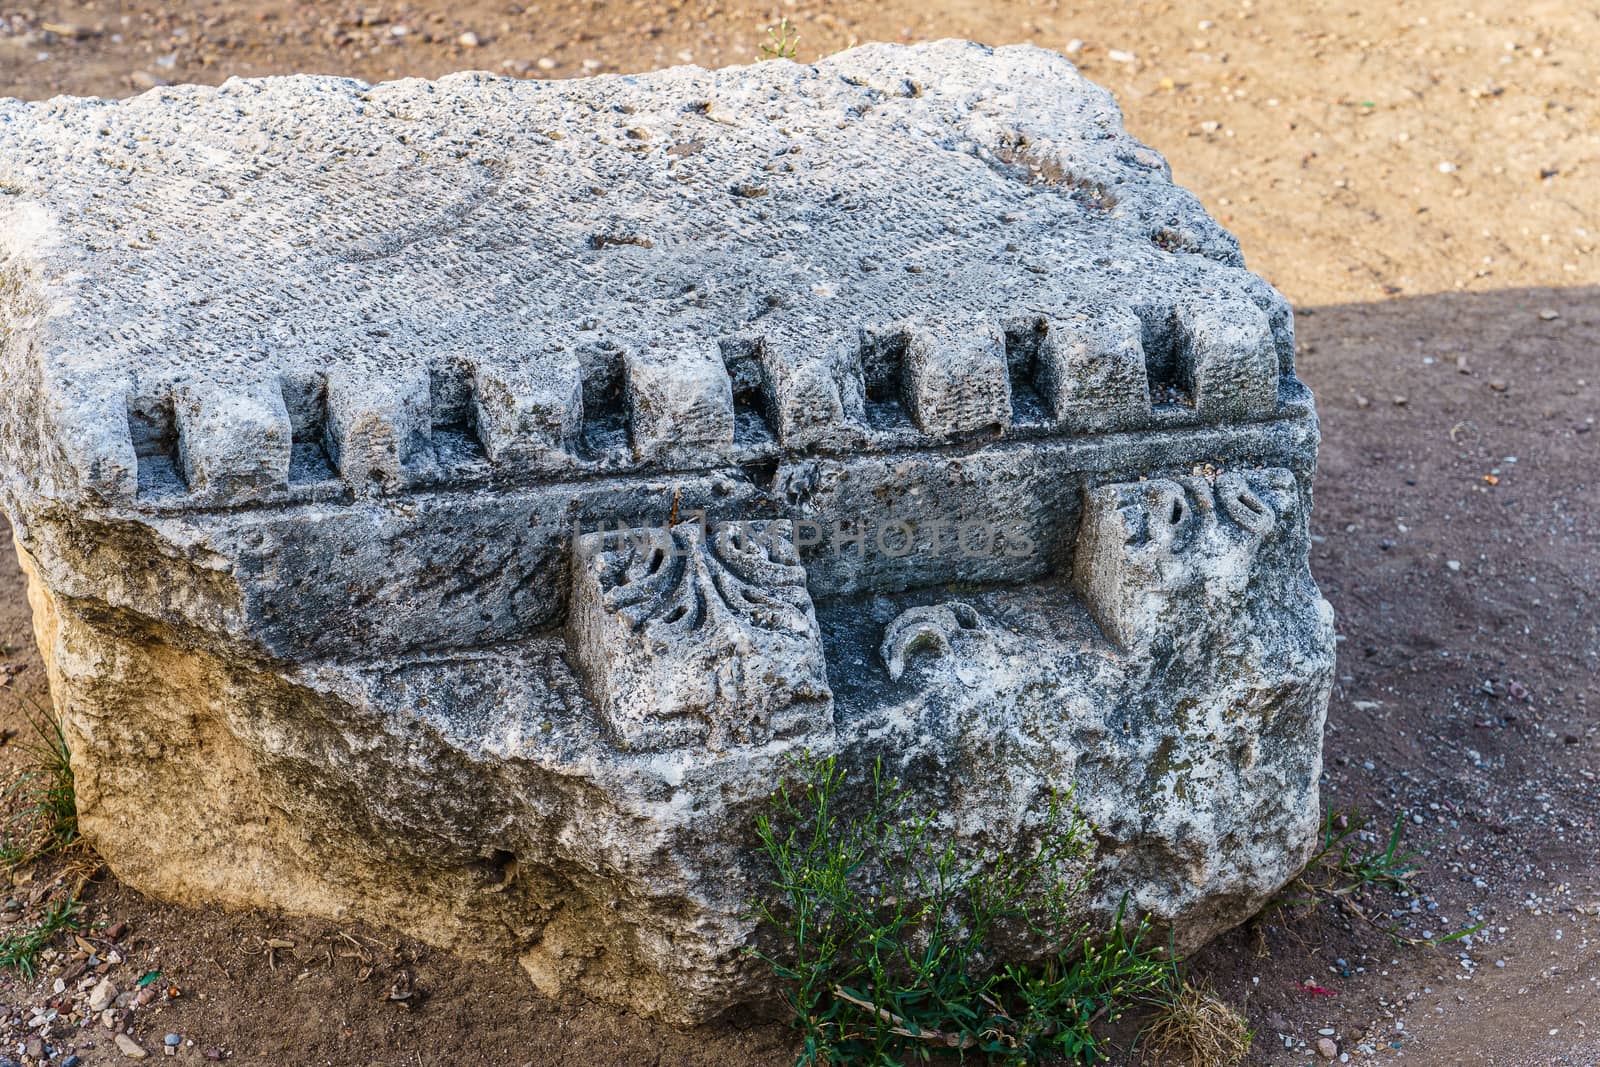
<point x="372" y="449"/>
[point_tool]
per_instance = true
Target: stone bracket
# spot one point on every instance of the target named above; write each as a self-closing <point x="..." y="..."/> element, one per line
<point x="1168" y="553"/>
<point x="680" y="401"/>
<point x="688" y="636"/>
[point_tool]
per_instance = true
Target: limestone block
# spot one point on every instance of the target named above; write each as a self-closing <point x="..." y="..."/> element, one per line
<point x="1233" y="362"/>
<point x="680" y="400"/>
<point x="98" y="455"/>
<point x="233" y="442"/>
<point x="956" y="379"/>
<point x="318" y="483"/>
<point x="378" y="424"/>
<point x="528" y="409"/>
<point x="814" y="395"/>
<point x="1091" y="370"/>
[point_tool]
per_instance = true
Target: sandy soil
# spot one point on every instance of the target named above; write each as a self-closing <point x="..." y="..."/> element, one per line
<point x="1422" y="182"/>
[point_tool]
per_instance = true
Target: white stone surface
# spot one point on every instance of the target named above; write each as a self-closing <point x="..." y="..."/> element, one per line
<point x="207" y="243"/>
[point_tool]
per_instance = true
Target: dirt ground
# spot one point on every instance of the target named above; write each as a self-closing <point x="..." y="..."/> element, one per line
<point x="1422" y="181"/>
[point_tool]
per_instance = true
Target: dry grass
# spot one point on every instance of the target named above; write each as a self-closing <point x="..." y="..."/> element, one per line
<point x="1198" y="1029"/>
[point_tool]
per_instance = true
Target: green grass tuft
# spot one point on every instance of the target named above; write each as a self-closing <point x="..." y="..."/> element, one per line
<point x="1353" y="863"/>
<point x="783" y="41"/>
<point x="1353" y="858"/>
<point x="44" y="819"/>
<point x="19" y="949"/>
<point x="889" y="944"/>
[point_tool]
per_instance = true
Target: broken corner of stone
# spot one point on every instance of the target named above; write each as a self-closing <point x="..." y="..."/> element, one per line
<point x="454" y="504"/>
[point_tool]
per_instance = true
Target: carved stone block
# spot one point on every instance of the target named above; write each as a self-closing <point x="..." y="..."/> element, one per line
<point x="696" y="637"/>
<point x="233" y="443"/>
<point x="1166" y="553"/>
<point x="316" y="476"/>
<point x="1233" y="362"/>
<point x="956" y="378"/>
<point x="933" y="630"/>
<point x="528" y="406"/>
<point x="680" y="401"/>
<point x="378" y="424"/>
<point x="1091" y="370"/>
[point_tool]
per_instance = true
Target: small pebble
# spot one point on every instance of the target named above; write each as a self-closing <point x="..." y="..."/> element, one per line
<point x="102" y="995"/>
<point x="1326" y="1048"/>
<point x="131" y="1048"/>
<point x="173" y="1039"/>
<point x="72" y="31"/>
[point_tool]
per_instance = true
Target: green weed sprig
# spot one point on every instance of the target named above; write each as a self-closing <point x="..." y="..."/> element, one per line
<point x="889" y="941"/>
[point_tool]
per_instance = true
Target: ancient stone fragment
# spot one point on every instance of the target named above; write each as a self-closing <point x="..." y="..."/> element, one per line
<point x="936" y="629"/>
<point x="528" y="406"/>
<point x="1089" y="367"/>
<point x="956" y="378"/>
<point x="454" y="504"/>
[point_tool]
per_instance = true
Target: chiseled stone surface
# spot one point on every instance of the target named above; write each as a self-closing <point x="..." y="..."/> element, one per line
<point x="372" y="451"/>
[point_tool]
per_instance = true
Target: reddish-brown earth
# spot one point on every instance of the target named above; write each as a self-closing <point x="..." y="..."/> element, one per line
<point x="1422" y="182"/>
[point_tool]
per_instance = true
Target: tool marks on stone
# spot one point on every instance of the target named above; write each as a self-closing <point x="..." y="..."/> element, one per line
<point x="510" y="282"/>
